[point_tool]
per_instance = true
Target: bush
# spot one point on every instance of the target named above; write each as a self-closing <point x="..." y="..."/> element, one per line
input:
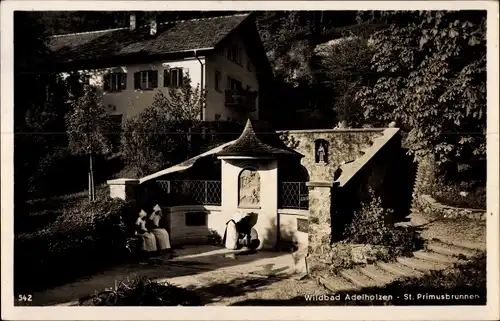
<point x="214" y="238"/>
<point x="462" y="194"/>
<point x="93" y="233"/>
<point x="373" y="225"/>
<point x="143" y="292"/>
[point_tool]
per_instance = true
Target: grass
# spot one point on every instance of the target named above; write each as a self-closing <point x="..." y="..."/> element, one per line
<point x="41" y="214"/>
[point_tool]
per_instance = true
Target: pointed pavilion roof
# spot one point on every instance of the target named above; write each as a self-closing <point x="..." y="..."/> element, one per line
<point x="258" y="139"/>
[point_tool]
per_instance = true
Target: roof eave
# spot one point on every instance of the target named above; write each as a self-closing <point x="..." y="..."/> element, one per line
<point x="128" y="59"/>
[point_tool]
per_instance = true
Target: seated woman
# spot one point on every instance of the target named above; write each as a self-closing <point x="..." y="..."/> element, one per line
<point x="161" y="234"/>
<point x="148" y="239"/>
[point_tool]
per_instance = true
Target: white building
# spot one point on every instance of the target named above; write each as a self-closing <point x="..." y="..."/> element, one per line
<point x="224" y="55"/>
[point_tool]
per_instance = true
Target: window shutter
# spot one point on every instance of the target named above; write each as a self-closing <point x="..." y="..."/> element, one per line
<point x="166" y="78"/>
<point x="181" y="77"/>
<point x="123" y="81"/>
<point x="154" y="79"/>
<point x="137" y="80"/>
<point x="106" y="79"/>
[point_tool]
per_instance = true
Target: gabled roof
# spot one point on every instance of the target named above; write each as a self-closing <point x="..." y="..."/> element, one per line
<point x="258" y="139"/>
<point x="171" y="37"/>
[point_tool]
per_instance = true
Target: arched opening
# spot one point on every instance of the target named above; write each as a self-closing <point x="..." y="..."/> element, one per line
<point x="249" y="188"/>
<point x="293" y="191"/>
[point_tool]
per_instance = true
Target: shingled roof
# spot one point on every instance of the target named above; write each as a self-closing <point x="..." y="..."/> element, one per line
<point x="258" y="139"/>
<point x="171" y="37"/>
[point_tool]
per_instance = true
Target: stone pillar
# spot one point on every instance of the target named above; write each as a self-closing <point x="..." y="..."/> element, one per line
<point x="320" y="196"/>
<point x="124" y="188"/>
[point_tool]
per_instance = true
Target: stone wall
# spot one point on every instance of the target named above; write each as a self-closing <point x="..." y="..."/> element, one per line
<point x="423" y="180"/>
<point x="319" y="225"/>
<point x="434" y="209"/>
<point x="343" y="146"/>
<point x="293" y="226"/>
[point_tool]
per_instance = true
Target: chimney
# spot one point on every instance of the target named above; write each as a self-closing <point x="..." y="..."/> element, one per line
<point x="152" y="25"/>
<point x="132" y="22"/>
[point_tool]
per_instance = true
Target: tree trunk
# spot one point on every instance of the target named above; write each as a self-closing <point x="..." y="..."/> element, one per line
<point x="91" y="179"/>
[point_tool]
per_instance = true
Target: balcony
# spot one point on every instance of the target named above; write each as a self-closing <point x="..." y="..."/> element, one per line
<point x="241" y="100"/>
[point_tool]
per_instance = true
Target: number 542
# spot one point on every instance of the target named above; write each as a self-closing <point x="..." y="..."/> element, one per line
<point x="24" y="298"/>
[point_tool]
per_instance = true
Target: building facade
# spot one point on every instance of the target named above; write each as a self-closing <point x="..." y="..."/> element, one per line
<point x="129" y="66"/>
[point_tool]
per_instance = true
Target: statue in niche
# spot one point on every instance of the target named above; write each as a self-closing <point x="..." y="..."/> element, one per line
<point x="321" y="152"/>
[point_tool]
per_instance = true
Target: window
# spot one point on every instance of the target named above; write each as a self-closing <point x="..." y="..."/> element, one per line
<point x="147" y="79"/>
<point x="234" y="54"/>
<point x="196" y="219"/>
<point x="218" y="78"/>
<point x="173" y="77"/>
<point x="116" y="81"/>
<point x="217" y="117"/>
<point x="233" y="84"/>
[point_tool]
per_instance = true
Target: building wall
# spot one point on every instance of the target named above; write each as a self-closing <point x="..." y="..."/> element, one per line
<point x="130" y="102"/>
<point x="247" y="76"/>
<point x="267" y="210"/>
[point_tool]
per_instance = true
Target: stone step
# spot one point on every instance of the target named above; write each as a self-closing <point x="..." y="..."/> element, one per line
<point x="398" y="269"/>
<point x="336" y="283"/>
<point x="359" y="279"/>
<point x="379" y="275"/>
<point x="436" y="257"/>
<point x="450" y="249"/>
<point x="420" y="265"/>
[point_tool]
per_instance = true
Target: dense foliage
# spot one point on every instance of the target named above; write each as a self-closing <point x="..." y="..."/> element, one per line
<point x="465" y="194"/>
<point x="169" y="131"/>
<point x="432" y="67"/>
<point x="143" y="292"/>
<point x="373" y="225"/>
<point x="85" y="234"/>
<point x="184" y="103"/>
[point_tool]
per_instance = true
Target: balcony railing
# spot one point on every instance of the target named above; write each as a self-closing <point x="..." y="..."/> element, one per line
<point x="294" y="195"/>
<point x="241" y="99"/>
<point x="191" y="192"/>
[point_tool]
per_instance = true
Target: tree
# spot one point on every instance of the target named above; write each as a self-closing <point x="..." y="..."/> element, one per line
<point x="433" y="82"/>
<point x="147" y="141"/>
<point x="37" y="114"/>
<point x="345" y="67"/>
<point x="183" y="103"/>
<point x="87" y="126"/>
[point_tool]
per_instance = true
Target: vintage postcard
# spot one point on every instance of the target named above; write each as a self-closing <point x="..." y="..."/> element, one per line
<point x="291" y="160"/>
